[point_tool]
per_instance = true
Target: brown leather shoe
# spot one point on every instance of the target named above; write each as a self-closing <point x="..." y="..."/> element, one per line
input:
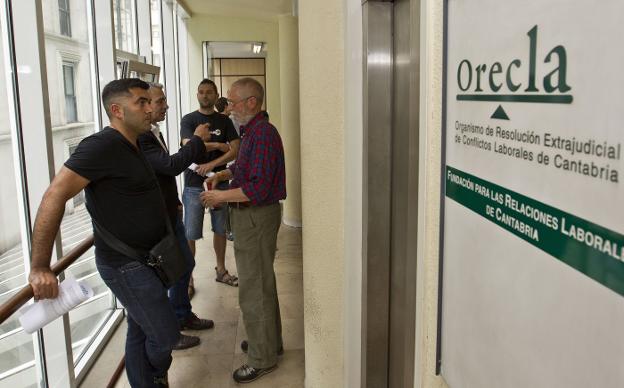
<point x="193" y="322"/>
<point x="186" y="341"/>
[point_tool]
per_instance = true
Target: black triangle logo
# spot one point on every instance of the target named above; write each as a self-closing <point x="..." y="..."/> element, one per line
<point x="499" y="113"/>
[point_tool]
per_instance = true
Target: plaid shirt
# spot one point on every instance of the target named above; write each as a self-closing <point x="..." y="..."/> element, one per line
<point x="259" y="169"/>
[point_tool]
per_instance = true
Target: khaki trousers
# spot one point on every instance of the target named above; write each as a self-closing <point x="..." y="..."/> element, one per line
<point x="255" y="239"/>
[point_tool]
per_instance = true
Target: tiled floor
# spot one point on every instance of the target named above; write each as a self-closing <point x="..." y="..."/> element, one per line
<point x="210" y="365"/>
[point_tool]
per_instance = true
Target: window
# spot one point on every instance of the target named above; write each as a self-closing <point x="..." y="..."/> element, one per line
<point x="64" y="17"/>
<point x="71" y="112"/>
<point x="17" y="354"/>
<point x="125" y="25"/>
<point x="71" y="95"/>
<point x="156" y="33"/>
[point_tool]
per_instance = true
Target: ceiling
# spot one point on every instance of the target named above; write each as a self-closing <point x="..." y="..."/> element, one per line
<point x="233" y="50"/>
<point x="260" y="9"/>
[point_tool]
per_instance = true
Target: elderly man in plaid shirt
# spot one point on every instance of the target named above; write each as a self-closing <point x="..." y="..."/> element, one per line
<point x="258" y="184"/>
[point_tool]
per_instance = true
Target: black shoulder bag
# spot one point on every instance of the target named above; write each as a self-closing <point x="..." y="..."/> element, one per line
<point x="165" y="258"/>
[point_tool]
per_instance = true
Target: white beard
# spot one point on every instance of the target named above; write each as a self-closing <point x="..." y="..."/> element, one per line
<point x="240" y="119"/>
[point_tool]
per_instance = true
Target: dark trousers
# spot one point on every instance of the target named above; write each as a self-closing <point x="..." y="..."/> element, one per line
<point x="152" y="325"/>
<point x="178" y="293"/>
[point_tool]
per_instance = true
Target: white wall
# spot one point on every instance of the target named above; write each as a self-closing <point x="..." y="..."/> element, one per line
<point x="321" y="58"/>
<point x="429" y="195"/>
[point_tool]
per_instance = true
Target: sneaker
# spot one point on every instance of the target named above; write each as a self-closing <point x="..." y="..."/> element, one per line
<point x="186" y="341"/>
<point x="193" y="322"/>
<point x="245" y="347"/>
<point x="247" y="374"/>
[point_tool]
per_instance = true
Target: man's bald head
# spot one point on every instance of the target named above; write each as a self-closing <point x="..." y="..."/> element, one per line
<point x="249" y="87"/>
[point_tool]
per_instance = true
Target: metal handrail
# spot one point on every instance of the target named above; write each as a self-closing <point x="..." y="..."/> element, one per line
<point x="22" y="296"/>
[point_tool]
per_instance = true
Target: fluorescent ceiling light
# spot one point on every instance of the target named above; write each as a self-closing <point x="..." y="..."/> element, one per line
<point x="256" y="48"/>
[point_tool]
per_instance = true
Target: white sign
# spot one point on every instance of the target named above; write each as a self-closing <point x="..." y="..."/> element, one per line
<point x="533" y="281"/>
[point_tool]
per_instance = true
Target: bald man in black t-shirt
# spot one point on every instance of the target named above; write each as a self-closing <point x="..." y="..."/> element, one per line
<point x="122" y="196"/>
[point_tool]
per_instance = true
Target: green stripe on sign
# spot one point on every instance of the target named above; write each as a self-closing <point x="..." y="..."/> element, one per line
<point x="590" y="248"/>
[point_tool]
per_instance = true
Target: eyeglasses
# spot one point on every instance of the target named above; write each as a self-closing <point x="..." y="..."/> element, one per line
<point x="232" y="102"/>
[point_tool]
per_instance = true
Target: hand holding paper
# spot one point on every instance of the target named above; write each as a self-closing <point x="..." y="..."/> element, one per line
<point x="39" y="314"/>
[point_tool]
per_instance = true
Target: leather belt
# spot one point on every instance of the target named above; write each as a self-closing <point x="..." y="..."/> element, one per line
<point x="239" y="205"/>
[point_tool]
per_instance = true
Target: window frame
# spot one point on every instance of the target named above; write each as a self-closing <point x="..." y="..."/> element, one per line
<point x="74" y="99"/>
<point x="67" y="12"/>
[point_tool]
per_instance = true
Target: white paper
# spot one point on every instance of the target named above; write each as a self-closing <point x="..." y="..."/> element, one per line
<point x="193" y="167"/>
<point x="71" y="294"/>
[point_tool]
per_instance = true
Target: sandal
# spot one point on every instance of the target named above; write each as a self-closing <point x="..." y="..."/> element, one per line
<point x="226" y="278"/>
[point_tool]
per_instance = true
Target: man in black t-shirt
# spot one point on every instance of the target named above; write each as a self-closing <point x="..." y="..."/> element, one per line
<point x="122" y="197"/>
<point x="222" y="148"/>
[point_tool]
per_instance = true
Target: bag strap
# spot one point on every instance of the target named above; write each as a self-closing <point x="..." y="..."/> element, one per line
<point x="117" y="244"/>
<point x="150" y="170"/>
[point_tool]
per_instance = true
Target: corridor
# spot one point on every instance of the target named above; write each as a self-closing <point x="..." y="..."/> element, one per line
<point x="212" y="362"/>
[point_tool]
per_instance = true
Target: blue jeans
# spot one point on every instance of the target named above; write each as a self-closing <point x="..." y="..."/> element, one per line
<point x="178" y="293"/>
<point x="152" y="325"/>
<point x="194" y="212"/>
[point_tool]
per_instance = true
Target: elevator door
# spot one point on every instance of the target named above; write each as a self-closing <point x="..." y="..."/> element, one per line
<point x="391" y="108"/>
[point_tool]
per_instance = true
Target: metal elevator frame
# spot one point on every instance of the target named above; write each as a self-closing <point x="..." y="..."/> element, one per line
<point x="391" y="86"/>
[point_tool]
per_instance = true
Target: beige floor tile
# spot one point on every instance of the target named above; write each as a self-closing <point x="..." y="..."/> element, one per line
<point x="219" y="340"/>
<point x="288" y="267"/>
<point x="292" y="334"/>
<point x="205" y="371"/>
<point x="217" y="308"/>
<point x="207" y="287"/>
<point x="210" y="365"/>
<point x="291" y="306"/>
<point x="289" y="283"/>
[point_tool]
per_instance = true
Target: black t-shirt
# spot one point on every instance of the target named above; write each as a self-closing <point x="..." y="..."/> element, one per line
<point x="223" y="131"/>
<point x="122" y="195"/>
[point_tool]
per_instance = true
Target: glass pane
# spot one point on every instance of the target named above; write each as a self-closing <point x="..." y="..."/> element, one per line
<point x="63" y="5"/>
<point x="17" y="361"/>
<point x="16" y="347"/>
<point x="64" y="17"/>
<point x="70" y="93"/>
<point x="88" y="319"/>
<point x="156" y="34"/>
<point x="64" y="23"/>
<point x="70" y="108"/>
<point x="68" y="77"/>
<point x="71" y="96"/>
<point x="125" y="25"/>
